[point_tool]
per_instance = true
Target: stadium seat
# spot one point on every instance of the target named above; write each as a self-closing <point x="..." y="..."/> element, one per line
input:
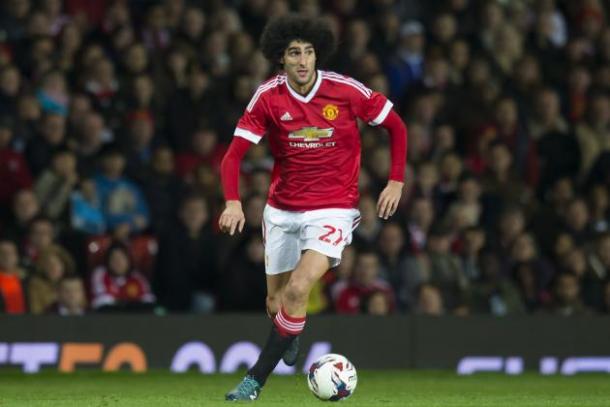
<point x="144" y="250"/>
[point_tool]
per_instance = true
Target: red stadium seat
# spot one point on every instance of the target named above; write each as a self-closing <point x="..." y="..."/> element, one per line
<point x="144" y="250"/>
<point x="96" y="250"/>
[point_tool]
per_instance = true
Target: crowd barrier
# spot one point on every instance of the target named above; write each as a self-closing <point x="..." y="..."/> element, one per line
<point x="224" y="343"/>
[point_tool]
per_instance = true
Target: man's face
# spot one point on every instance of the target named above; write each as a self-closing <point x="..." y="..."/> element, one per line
<point x="10" y="81"/>
<point x="9" y="257"/>
<point x="567" y="290"/>
<point x="299" y="62"/>
<point x="25" y="206"/>
<point x="194" y="214"/>
<point x="54" y="128"/>
<point x="41" y="234"/>
<point x="72" y="294"/>
<point x="367" y="269"/>
<point x="113" y="165"/>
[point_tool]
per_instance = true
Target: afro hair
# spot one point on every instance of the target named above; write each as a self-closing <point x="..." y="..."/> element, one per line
<point x="281" y="31"/>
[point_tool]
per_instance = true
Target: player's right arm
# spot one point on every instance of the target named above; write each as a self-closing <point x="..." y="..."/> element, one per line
<point x="232" y="218"/>
<point x="250" y="129"/>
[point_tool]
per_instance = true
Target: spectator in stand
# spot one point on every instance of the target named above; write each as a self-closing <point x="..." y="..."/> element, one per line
<point x="547" y="221"/>
<point x="474" y="240"/>
<point x="51" y="135"/>
<point x="553" y="161"/>
<point x="139" y="143"/>
<point x="357" y="38"/>
<point x="438" y="266"/>
<point x="466" y="210"/>
<point x="42" y="234"/>
<point x="53" y="264"/>
<point x="205" y="150"/>
<point x="502" y="186"/>
<point x="92" y="137"/>
<point x="576" y="220"/>
<point x="508" y="127"/>
<point x="547" y="117"/>
<point x="125" y="209"/>
<point x="378" y="303"/>
<point x="429" y="301"/>
<point x="70" y="40"/>
<point x="205" y="181"/>
<point x="599" y="206"/>
<point x="25" y="207"/>
<point x="142" y="96"/>
<point x="86" y="213"/>
<point x="524" y="250"/>
<point x="510" y="226"/>
<point x="336" y="280"/>
<point x="493" y="294"/>
<point x="579" y="83"/>
<point x="116" y="286"/>
<point x="419" y="220"/>
<point x="533" y="292"/>
<point x="443" y="141"/>
<point x="53" y="93"/>
<point x="14" y="171"/>
<point x="102" y="86"/>
<point x="365" y="281"/>
<point x="10" y="82"/>
<point x="190" y="32"/>
<point x="369" y="227"/>
<point x="55" y="184"/>
<point x="71" y="297"/>
<point x="599" y="266"/>
<point x="187" y="274"/>
<point x="566" y="297"/>
<point x="12" y="292"/>
<point x="592" y="133"/>
<point x="26" y="122"/>
<point x="187" y="107"/>
<point x="575" y="262"/>
<point x="406" y="67"/>
<point x="391" y="250"/>
<point x="10" y="261"/>
<point x="162" y="188"/>
<point x="242" y="285"/>
<point x="426" y="182"/>
<point x="451" y="167"/>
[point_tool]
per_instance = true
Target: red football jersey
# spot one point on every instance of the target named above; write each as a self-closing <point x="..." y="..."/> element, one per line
<point x="110" y="290"/>
<point x="314" y="139"/>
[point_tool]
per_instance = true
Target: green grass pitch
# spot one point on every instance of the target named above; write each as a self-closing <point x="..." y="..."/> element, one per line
<point x="375" y="388"/>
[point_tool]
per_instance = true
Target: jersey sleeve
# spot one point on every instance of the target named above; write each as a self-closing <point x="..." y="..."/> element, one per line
<point x="253" y="123"/>
<point x="370" y="106"/>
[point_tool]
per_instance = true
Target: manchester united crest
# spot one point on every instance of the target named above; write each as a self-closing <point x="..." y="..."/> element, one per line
<point x="330" y="112"/>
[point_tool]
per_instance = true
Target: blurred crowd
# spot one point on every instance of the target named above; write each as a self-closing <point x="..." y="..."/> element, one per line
<point x="115" y="115"/>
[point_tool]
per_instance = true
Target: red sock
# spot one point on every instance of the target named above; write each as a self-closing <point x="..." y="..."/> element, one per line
<point x="287" y="325"/>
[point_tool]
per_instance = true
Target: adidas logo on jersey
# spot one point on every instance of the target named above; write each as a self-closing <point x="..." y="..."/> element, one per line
<point x="286" y="117"/>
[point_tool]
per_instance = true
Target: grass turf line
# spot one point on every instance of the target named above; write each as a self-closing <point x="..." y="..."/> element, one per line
<point x="375" y="388"/>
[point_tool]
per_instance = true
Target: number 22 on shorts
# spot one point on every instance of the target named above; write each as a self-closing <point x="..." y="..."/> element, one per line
<point x="328" y="237"/>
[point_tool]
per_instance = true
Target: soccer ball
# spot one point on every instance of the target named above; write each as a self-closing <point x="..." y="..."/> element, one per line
<point x="332" y="377"/>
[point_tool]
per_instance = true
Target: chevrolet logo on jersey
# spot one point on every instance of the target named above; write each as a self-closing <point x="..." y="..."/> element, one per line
<point x="311" y="134"/>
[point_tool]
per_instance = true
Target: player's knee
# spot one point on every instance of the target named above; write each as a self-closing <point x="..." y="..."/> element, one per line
<point x="297" y="291"/>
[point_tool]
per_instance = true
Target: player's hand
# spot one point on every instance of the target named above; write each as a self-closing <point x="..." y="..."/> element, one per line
<point x="389" y="198"/>
<point x="232" y="218"/>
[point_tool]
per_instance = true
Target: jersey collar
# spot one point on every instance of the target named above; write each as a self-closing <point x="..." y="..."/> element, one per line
<point x="312" y="92"/>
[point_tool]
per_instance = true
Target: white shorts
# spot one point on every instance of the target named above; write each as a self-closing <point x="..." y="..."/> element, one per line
<point x="287" y="234"/>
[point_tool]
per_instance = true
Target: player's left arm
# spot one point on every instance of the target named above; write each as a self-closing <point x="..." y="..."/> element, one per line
<point x="375" y="109"/>
<point x="390" y="196"/>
